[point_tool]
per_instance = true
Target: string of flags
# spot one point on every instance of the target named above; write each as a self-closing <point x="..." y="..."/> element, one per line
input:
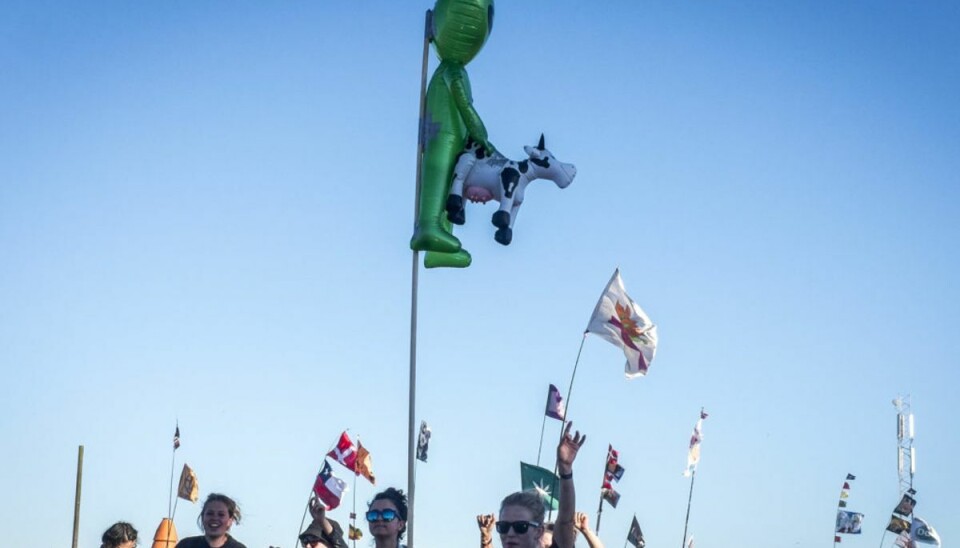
<point x="612" y="473"/>
<point x="848" y="523"/>
<point x="910" y="530"/>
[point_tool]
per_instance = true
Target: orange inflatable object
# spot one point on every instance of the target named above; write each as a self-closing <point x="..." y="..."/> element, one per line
<point x="166" y="535"/>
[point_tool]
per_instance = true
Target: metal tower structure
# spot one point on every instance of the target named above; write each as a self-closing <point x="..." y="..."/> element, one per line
<point x="906" y="454"/>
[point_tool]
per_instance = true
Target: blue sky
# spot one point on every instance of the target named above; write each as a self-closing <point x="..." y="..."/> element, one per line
<point x="204" y="213"/>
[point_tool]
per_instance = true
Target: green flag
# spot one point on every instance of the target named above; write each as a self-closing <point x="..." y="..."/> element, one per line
<point x="543" y="481"/>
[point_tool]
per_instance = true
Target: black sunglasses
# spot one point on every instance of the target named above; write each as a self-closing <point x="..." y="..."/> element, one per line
<point x="520" y="527"/>
<point x="385" y="515"/>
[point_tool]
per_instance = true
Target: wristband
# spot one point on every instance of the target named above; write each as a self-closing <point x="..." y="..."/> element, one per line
<point x="566" y="476"/>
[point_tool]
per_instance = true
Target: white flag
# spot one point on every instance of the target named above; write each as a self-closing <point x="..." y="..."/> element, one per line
<point x="620" y="321"/>
<point x="693" y="456"/>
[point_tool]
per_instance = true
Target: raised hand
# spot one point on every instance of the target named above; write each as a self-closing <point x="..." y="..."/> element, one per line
<point x="581" y="522"/>
<point x="568" y="448"/>
<point x="317" y="509"/>
<point x="486" y="522"/>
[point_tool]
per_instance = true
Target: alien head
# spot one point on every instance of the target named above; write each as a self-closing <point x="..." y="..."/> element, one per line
<point x="460" y="28"/>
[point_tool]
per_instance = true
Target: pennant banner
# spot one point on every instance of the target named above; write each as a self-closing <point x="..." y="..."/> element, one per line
<point x="620" y="321"/>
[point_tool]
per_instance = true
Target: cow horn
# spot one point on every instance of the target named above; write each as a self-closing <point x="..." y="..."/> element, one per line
<point x="540" y="145"/>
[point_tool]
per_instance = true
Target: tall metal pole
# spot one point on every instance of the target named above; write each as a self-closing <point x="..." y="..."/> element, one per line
<point x="76" y="503"/>
<point x="693" y="476"/>
<point x="414" y="281"/>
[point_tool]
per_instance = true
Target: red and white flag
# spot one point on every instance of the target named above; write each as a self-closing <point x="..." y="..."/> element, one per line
<point x="345" y="453"/>
<point x="620" y="321"/>
<point x="329" y="488"/>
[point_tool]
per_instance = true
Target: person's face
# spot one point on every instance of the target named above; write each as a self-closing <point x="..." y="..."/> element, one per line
<point x="128" y="544"/>
<point x="512" y="539"/>
<point x="216" y="519"/>
<point x="314" y="544"/>
<point x="382" y="528"/>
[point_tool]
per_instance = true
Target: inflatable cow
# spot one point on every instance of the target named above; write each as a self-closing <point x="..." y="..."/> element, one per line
<point x="481" y="178"/>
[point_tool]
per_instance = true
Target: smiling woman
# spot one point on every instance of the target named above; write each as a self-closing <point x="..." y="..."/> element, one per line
<point x="218" y="515"/>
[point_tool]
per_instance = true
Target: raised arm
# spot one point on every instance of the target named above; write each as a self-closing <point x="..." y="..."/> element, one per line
<point x="459" y="84"/>
<point x="332" y="532"/>
<point x="563" y="529"/>
<point x="486" y="522"/>
<point x="582" y="523"/>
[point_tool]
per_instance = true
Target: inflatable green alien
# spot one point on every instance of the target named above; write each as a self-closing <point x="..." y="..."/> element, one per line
<point x="460" y="28"/>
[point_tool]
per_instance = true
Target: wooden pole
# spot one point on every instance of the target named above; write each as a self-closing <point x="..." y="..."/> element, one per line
<point x="76" y="503"/>
<point x="414" y="283"/>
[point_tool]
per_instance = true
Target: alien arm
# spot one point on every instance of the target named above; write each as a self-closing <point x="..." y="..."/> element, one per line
<point x="459" y="85"/>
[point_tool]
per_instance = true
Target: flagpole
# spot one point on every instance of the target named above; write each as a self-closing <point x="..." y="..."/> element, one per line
<point x="173" y="459"/>
<point x="304" y="518"/>
<point x="602" y="482"/>
<point x="354" y="511"/>
<point x="414" y="281"/>
<point x="693" y="476"/>
<point x="76" y="501"/>
<point x="566" y="408"/>
<point x="543" y="426"/>
<point x="175" y="501"/>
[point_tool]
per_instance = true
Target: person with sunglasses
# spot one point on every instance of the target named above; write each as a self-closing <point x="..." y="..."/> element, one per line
<point x="521" y="522"/>
<point x="323" y="532"/>
<point x="217" y="516"/>
<point x="120" y="535"/>
<point x="387" y="518"/>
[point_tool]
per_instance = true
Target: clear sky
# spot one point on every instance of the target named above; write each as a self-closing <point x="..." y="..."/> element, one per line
<point x="204" y="216"/>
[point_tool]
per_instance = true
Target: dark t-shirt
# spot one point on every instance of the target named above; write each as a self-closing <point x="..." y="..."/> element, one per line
<point x="201" y="542"/>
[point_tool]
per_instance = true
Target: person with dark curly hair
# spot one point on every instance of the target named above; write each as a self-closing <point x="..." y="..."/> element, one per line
<point x="120" y="535"/>
<point x="387" y="517"/>
<point x="218" y="515"/>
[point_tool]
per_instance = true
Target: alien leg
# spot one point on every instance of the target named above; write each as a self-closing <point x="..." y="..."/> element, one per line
<point x="430" y="233"/>
<point x="460" y="259"/>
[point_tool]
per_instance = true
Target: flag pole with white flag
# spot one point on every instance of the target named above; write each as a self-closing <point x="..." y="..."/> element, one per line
<point x="693" y="458"/>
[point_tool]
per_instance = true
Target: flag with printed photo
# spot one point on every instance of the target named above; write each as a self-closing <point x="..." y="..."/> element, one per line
<point x="611" y="496"/>
<point x="898" y="525"/>
<point x="620" y="321"/>
<point x="354" y="533"/>
<point x="905" y="507"/>
<point x="364" y="465"/>
<point x="329" y="488"/>
<point x="543" y="481"/>
<point x="635" y="535"/>
<point x="921" y="531"/>
<point x="188" y="488"/>
<point x="555" y="408"/>
<point x="423" y="441"/>
<point x="693" y="455"/>
<point x="903" y="540"/>
<point x="849" y="523"/>
<point x="345" y="452"/>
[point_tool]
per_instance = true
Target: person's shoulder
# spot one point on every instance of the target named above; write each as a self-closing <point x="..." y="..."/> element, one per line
<point x="234" y="543"/>
<point x="190" y="542"/>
